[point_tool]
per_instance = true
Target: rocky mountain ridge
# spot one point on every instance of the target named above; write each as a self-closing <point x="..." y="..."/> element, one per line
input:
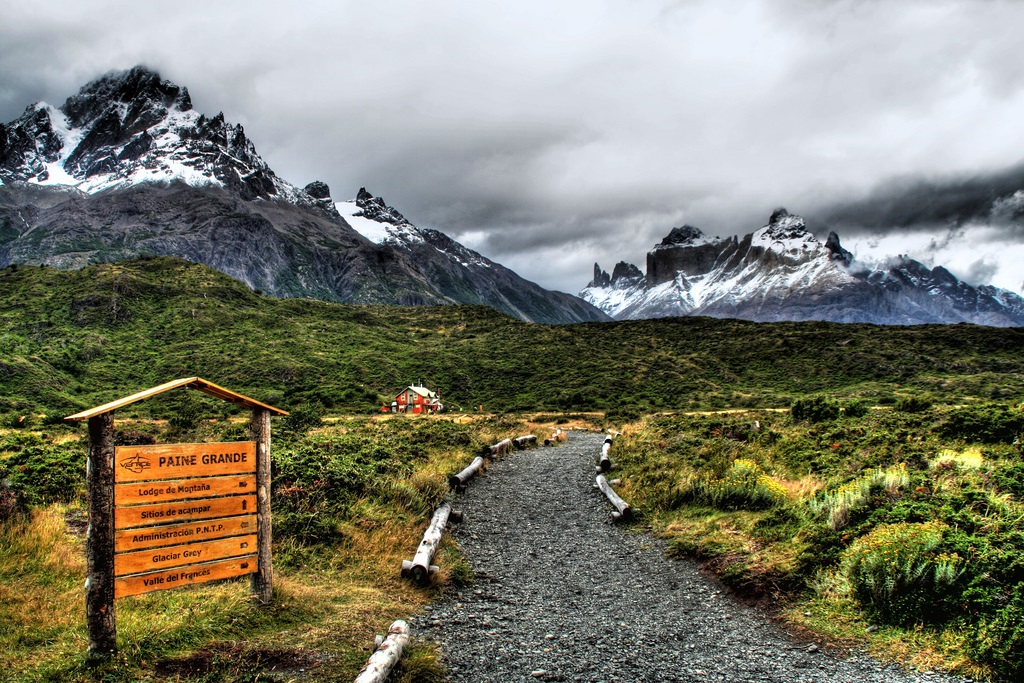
<point x="457" y="271"/>
<point x="128" y="168"/>
<point x="783" y="272"/>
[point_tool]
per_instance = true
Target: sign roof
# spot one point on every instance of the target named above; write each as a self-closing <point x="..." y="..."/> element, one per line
<point x="197" y="383"/>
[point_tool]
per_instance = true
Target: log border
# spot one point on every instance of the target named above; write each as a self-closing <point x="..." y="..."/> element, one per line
<point x="420" y="568"/>
<point x="605" y="462"/>
<point x="556" y="437"/>
<point x="623" y="513"/>
<point x="386" y="653"/>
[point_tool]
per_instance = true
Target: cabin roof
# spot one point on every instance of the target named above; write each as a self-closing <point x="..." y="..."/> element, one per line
<point x="422" y="391"/>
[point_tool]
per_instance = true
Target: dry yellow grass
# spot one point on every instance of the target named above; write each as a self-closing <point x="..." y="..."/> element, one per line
<point x="803" y="488"/>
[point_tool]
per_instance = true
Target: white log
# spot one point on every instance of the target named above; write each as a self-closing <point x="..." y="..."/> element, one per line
<point x="522" y="441"/>
<point x="419" y="568"/>
<point x="498" y="448"/>
<point x="458" y="481"/>
<point x="383" y="660"/>
<point x="558" y="436"/>
<point x="623" y="511"/>
<point x="605" y="463"/>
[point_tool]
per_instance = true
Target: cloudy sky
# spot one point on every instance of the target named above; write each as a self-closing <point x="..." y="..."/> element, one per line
<point x="549" y="135"/>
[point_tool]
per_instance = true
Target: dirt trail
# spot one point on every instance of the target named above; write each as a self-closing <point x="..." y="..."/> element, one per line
<point x="564" y="595"/>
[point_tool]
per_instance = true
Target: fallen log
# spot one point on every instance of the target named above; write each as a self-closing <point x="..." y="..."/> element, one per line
<point x="623" y="512"/>
<point x="385" y="655"/>
<point x="458" y="481"/>
<point x="498" y="448"/>
<point x="558" y="436"/>
<point x="605" y="463"/>
<point x="524" y="441"/>
<point x="420" y="568"/>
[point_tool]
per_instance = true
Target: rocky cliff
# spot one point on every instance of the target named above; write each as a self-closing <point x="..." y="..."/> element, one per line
<point x="783" y="272"/>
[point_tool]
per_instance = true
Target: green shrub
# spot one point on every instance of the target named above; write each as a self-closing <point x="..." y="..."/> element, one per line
<point x="743" y="486"/>
<point x="912" y="404"/>
<point x="984" y="424"/>
<point x="188" y="414"/>
<point x="319" y="477"/>
<point x="823" y="547"/>
<point x="814" y="409"/>
<point x="39" y="472"/>
<point x="133" y="437"/>
<point x="855" y="409"/>
<point x="899" y="576"/>
<point x="1010" y="479"/>
<point x="623" y="415"/>
<point x="304" y="417"/>
<point x="780" y="523"/>
<point x="20" y="420"/>
<point x="53" y="419"/>
<point x="999" y="640"/>
<point x="836" y="505"/>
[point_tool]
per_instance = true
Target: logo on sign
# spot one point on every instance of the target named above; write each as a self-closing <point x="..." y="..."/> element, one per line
<point x="136" y="464"/>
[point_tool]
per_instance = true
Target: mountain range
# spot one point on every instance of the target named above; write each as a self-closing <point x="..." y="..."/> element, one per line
<point x="127" y="168"/>
<point x="782" y="272"/>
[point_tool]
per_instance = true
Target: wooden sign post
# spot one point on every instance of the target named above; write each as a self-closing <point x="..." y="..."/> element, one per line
<point x="176" y="514"/>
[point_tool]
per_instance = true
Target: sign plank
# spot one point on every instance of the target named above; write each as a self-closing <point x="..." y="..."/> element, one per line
<point x="183" y="511"/>
<point x="172" y="578"/>
<point x="172" y="534"/>
<point x="182" y="489"/>
<point x="182" y="555"/>
<point x="183" y="460"/>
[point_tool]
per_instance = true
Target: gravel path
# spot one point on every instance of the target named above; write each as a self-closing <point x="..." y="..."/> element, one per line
<point x="563" y="595"/>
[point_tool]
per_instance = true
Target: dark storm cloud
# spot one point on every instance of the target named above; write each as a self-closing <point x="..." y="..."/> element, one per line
<point x="945" y="203"/>
<point x="550" y="135"/>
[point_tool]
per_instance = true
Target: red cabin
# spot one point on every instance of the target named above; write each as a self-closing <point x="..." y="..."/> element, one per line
<point x="417" y="400"/>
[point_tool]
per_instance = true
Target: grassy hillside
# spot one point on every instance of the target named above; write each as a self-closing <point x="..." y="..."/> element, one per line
<point x="75" y="339"/>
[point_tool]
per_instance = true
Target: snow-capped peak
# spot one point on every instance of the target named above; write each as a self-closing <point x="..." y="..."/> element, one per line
<point x="376" y="221"/>
<point x="785" y="234"/>
<point x="132" y="127"/>
<point x="782" y="272"/>
<point x="686" y="236"/>
<point x="372" y="218"/>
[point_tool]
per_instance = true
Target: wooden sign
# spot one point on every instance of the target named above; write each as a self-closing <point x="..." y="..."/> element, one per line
<point x="183" y="511"/>
<point x="173" y="515"/>
<point x="176" y="461"/>
<point x="182" y="489"/>
<point x="180" y="509"/>
<point x="172" y="578"/>
<point x="137" y="539"/>
<point x="182" y="555"/>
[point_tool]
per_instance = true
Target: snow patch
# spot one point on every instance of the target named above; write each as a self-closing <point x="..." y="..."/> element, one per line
<point x="371" y="230"/>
